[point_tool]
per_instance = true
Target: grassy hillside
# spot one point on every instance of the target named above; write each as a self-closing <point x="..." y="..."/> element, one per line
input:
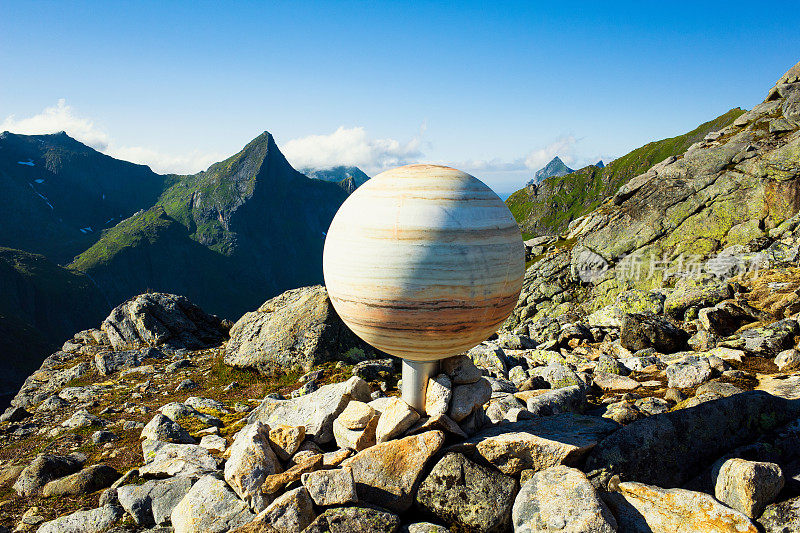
<point x="547" y="209"/>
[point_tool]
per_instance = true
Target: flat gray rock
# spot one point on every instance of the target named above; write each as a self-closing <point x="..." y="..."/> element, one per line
<point x="561" y="499"/>
<point x="151" y="503"/>
<point x="316" y="411"/>
<point x="210" y="506"/>
<point x="92" y="521"/>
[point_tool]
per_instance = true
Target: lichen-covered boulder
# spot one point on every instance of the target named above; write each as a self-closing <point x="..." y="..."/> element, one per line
<point x="297" y="328"/>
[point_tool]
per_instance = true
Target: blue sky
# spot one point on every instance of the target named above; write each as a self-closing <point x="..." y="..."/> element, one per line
<point x="492" y="88"/>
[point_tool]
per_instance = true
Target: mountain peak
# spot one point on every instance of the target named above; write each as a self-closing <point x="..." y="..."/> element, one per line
<point x="555" y="167"/>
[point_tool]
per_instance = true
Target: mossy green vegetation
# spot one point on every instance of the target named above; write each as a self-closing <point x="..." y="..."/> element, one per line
<point x="553" y="204"/>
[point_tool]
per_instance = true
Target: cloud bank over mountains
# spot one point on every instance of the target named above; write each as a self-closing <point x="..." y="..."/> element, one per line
<point x="345" y="146"/>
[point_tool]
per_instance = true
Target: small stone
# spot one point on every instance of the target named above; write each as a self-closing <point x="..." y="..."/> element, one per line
<point x="276" y="482"/>
<point x="687" y="375"/>
<point x="214" y="443"/>
<point x="83" y="419"/>
<point x="177" y="460"/>
<point x="461" y="370"/>
<point x="164" y="429"/>
<point x="356" y="439"/>
<point x="748" y="486"/>
<point x="614" y="382"/>
<point x="251" y="461"/>
<point x="361" y="519"/>
<point x="330" y="487"/>
<point x="466" y="398"/>
<point x="88" y="480"/>
<point x="438" y="395"/>
<point x="92" y="521"/>
<point x="286" y="440"/>
<point x="788" y="360"/>
<point x="101" y="437"/>
<point x="356" y="415"/>
<point x="640" y="507"/>
<point x="151" y="503"/>
<point x="396" y="418"/>
<point x="186" y="384"/>
<point x="45" y="468"/>
<point x="564" y="400"/>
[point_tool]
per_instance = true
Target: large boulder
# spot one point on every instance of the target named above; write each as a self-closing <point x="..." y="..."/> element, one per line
<point x="297" y="328"/>
<point x="387" y="473"/>
<point x="467" y="495"/>
<point x="670" y="448"/>
<point x="43" y="469"/>
<point x="151" y="503"/>
<point x="92" y="521"/>
<point x="645" y="508"/>
<point x="539" y="443"/>
<point x="159" y="319"/>
<point x="315" y="411"/>
<point x="561" y="499"/>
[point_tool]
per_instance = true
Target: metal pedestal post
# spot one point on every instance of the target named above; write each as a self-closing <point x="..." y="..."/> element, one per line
<point x="415" y="382"/>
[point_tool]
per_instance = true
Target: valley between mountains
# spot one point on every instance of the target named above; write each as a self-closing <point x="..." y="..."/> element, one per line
<point x="174" y="363"/>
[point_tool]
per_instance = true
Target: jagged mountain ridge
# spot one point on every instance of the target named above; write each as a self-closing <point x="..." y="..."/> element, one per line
<point x="554" y="168"/>
<point x="251" y="224"/>
<point x="57" y="194"/>
<point x="547" y="208"/>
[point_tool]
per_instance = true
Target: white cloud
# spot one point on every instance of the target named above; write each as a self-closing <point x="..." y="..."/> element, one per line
<point x="351" y="146"/>
<point x="62" y="117"/>
<point x="59" y="117"/>
<point x="563" y="147"/>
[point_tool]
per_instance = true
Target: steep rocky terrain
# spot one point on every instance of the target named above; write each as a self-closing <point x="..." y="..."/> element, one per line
<point x="41" y="305"/>
<point x="624" y="394"/>
<point x="547" y="206"/>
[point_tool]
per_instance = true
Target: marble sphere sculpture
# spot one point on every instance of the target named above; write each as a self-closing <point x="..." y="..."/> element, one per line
<point x="423" y="262"/>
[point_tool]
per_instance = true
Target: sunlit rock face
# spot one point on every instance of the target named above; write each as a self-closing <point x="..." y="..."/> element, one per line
<point x="423" y="262"/>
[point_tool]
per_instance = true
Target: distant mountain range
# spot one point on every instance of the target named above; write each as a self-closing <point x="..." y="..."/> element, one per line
<point x="349" y="178"/>
<point x="555" y="167"/>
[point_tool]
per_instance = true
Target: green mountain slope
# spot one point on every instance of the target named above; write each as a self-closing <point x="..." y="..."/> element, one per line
<point x="349" y="178"/>
<point x="246" y="229"/>
<point x="57" y="194"/>
<point x="549" y="207"/>
<point x="41" y="305"/>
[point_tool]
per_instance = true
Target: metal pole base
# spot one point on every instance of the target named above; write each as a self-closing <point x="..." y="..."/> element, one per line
<point x="415" y="382"/>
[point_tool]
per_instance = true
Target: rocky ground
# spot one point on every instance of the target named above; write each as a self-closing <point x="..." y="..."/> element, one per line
<point x="606" y="403"/>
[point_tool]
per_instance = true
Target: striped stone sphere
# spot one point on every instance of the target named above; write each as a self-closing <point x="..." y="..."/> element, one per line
<point x="423" y="262"/>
